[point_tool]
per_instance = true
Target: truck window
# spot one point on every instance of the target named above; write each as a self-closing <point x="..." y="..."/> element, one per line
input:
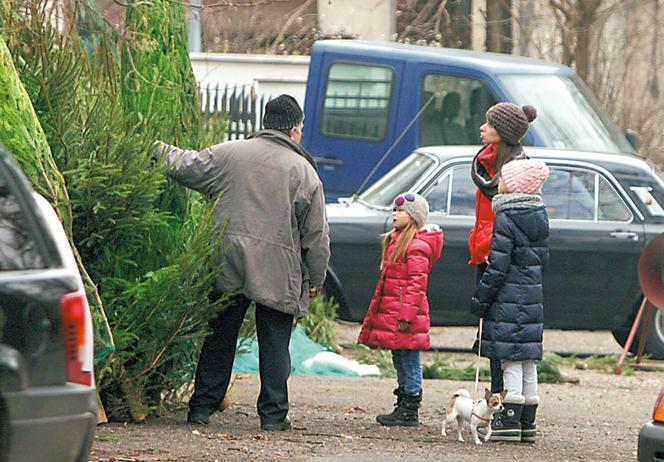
<point x="454" y="112"/>
<point x="583" y="124"/>
<point x="357" y="101"/>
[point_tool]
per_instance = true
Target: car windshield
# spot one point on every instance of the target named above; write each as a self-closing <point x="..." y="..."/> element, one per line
<point x="400" y="179"/>
<point x="568" y="115"/>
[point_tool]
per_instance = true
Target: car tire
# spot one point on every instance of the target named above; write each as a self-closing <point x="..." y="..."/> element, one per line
<point x="655" y="340"/>
<point x="331" y="290"/>
<point x="4" y="431"/>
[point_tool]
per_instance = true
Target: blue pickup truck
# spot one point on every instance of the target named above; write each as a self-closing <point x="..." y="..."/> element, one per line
<point x="370" y="104"/>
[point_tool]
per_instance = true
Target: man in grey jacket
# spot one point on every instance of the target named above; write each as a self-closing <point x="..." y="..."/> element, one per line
<point x="272" y="210"/>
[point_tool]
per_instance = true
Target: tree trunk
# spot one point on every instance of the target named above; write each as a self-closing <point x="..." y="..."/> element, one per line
<point x="499" y="26"/>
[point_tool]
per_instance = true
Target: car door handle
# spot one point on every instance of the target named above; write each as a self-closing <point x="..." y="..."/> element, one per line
<point x="329" y="161"/>
<point x="625" y="235"/>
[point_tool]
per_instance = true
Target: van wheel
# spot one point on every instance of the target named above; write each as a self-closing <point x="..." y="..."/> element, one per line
<point x="655" y="341"/>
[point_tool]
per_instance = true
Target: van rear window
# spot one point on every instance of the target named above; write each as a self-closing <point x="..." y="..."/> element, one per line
<point x="357" y="101"/>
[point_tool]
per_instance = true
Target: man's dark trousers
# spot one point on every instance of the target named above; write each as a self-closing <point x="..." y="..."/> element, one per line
<point x="215" y="364"/>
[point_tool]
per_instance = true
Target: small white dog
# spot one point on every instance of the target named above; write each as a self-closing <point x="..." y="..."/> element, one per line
<point x="477" y="413"/>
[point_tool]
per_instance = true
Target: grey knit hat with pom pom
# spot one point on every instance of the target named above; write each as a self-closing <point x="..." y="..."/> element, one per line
<point x="414" y="205"/>
<point x="511" y="121"/>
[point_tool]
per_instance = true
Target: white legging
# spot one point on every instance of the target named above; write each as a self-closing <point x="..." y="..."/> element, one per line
<point x="520" y="379"/>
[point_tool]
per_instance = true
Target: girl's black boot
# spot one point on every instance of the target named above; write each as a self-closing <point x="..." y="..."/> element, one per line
<point x="398" y="392"/>
<point x="406" y="413"/>
<point x="528" y="426"/>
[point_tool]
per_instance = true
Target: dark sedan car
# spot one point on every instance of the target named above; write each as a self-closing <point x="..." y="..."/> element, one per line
<point x="603" y="209"/>
<point x="47" y="393"/>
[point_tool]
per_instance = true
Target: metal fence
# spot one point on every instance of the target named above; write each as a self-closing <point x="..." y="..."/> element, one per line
<point x="243" y="108"/>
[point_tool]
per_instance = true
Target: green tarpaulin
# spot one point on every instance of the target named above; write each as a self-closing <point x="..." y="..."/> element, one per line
<point x="307" y="358"/>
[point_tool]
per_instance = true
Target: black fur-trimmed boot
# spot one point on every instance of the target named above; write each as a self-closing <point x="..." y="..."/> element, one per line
<point x="406" y="413"/>
<point x="528" y="426"/>
<point x="398" y="392"/>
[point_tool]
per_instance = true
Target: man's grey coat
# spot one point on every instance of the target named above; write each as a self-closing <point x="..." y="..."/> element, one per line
<point x="272" y="210"/>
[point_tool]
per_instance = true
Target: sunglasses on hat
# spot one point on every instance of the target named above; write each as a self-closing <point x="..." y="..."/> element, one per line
<point x="400" y="200"/>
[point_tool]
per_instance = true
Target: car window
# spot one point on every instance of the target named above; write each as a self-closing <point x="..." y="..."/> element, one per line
<point x="439" y="193"/>
<point x="18" y="251"/>
<point x="576" y="194"/>
<point x="463" y="192"/>
<point x="453" y="110"/>
<point x="647" y="197"/>
<point x="567" y="195"/>
<point x="357" y="101"/>
<point x="611" y="207"/>
<point x="453" y="192"/>
<point x="400" y="179"/>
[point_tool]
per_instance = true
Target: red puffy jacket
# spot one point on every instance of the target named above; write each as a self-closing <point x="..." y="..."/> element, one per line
<point x="479" y="240"/>
<point x="400" y="295"/>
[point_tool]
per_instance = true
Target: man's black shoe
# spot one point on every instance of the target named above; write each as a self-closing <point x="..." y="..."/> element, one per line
<point x="277" y="426"/>
<point x="198" y="418"/>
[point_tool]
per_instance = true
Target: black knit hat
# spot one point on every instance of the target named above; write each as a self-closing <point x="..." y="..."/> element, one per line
<point x="282" y="113"/>
<point x="511" y="121"/>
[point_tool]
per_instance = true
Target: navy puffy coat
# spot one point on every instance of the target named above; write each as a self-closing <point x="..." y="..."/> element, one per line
<point x="510" y="296"/>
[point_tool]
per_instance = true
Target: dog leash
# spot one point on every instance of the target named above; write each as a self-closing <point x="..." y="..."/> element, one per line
<point x="477" y="363"/>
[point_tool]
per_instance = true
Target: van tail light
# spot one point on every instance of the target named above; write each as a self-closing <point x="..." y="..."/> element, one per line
<point x="73" y="309"/>
<point x="658" y="411"/>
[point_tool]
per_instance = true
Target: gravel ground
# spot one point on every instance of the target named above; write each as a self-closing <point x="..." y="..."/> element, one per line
<point x="598" y="419"/>
<point x="563" y="341"/>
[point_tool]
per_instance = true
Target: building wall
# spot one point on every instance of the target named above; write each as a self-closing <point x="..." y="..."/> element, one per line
<point x="268" y="75"/>
<point x="366" y="20"/>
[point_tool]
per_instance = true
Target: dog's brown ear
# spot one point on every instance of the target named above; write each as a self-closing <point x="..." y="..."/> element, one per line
<point x="487" y="394"/>
<point x="503" y="394"/>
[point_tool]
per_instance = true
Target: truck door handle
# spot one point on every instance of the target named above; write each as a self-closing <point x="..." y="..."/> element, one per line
<point x="329" y="161"/>
<point x="625" y="235"/>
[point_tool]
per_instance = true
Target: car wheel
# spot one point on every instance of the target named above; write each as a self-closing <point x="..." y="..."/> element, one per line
<point x="655" y="341"/>
<point x="4" y="431"/>
<point x="331" y="290"/>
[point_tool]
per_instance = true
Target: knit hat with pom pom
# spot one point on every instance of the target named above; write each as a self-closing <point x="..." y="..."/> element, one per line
<point x="414" y="205"/>
<point x="511" y="121"/>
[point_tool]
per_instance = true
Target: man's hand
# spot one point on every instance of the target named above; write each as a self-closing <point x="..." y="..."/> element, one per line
<point x="313" y="292"/>
<point x="403" y="326"/>
<point x="156" y="151"/>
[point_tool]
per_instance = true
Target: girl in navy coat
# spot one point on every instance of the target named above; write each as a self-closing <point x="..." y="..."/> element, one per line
<point x="510" y="295"/>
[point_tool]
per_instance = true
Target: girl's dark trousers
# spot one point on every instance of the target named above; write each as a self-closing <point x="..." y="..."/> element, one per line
<point x="496" y="369"/>
<point x="213" y="373"/>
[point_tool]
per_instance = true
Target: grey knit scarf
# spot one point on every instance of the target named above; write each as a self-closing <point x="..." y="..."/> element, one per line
<point x="515" y="201"/>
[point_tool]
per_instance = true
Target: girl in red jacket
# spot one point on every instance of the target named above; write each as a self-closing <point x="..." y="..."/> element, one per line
<point x="506" y="124"/>
<point x="398" y="315"/>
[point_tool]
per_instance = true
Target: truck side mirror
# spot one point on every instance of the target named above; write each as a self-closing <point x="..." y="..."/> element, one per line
<point x="632" y="137"/>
